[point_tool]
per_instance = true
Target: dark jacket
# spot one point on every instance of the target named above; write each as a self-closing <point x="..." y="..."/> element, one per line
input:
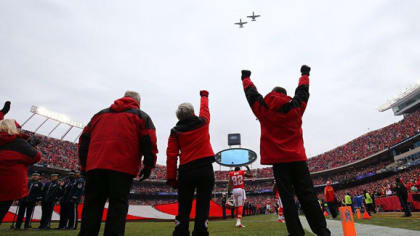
<point x="35" y="191"/>
<point x="116" y="138"/>
<point x="52" y="192"/>
<point x="16" y="155"/>
<point x="280" y="118"/>
<point x="73" y="190"/>
<point x="190" y="140"/>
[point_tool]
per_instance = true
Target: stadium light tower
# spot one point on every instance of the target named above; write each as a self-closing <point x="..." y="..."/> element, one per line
<point x="60" y="118"/>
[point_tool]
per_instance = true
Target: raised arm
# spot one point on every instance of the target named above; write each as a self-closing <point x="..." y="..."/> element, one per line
<point x="255" y="99"/>
<point x="301" y="97"/>
<point x="4" y="110"/>
<point x="204" y="105"/>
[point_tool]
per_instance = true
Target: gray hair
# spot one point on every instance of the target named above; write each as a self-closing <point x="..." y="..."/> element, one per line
<point x="132" y="94"/>
<point x="185" y="111"/>
<point x="8" y="126"/>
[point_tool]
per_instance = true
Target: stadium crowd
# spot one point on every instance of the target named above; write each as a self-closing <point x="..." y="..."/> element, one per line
<point x="367" y="144"/>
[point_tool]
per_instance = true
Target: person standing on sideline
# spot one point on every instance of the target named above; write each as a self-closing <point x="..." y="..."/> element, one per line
<point x="110" y="151"/>
<point x="348" y="201"/>
<point x="329" y="196"/>
<point x="76" y="196"/>
<point x="190" y="140"/>
<point x="402" y="194"/>
<point x="16" y="155"/>
<point x="27" y="204"/>
<point x="368" y="202"/>
<point x="52" y="191"/>
<point x="280" y="117"/>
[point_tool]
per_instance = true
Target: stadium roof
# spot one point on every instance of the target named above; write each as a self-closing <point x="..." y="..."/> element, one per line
<point x="404" y="102"/>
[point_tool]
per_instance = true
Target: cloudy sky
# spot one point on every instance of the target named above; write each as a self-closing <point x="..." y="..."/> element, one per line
<point x="76" y="57"/>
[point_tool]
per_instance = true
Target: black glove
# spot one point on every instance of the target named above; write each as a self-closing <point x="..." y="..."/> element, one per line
<point x="204" y="93"/>
<point x="6" y="108"/>
<point x="34" y="141"/>
<point x="305" y="70"/>
<point x="144" y="174"/>
<point x="245" y="74"/>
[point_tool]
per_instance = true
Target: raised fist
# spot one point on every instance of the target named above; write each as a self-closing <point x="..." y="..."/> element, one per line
<point x="245" y="74"/>
<point x="305" y="70"/>
<point x="204" y="93"/>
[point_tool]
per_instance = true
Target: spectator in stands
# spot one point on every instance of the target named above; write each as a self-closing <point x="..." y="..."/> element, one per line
<point x="4" y="110"/>
<point x="16" y="155"/>
<point x="403" y="196"/>
<point x="190" y="140"/>
<point x="110" y="151"/>
<point x="282" y="146"/>
<point x="330" y="199"/>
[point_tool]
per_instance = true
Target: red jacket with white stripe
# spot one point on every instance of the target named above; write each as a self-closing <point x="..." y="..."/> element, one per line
<point x="190" y="140"/>
<point x="116" y="138"/>
<point x="16" y="155"/>
<point x="280" y="117"/>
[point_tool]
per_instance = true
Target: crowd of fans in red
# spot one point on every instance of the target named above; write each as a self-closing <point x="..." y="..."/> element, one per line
<point x="367" y="144"/>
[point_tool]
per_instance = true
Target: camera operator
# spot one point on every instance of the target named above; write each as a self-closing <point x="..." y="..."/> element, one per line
<point x="16" y="155"/>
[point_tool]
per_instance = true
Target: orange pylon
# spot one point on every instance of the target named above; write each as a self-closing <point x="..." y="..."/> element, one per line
<point x="366" y="216"/>
<point x="358" y="213"/>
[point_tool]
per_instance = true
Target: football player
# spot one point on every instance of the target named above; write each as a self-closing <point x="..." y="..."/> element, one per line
<point x="236" y="182"/>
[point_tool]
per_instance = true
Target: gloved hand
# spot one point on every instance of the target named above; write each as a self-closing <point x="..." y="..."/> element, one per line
<point x="6" y="107"/>
<point x="204" y="93"/>
<point x="305" y="70"/>
<point x="144" y="174"/>
<point x="245" y="74"/>
<point x="173" y="183"/>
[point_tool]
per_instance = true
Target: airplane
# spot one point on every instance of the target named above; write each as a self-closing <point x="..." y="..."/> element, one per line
<point x="240" y="23"/>
<point x="253" y="16"/>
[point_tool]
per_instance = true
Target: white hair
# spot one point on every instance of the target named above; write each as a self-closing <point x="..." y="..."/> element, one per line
<point x="9" y="126"/>
<point x="185" y="111"/>
<point x="132" y="94"/>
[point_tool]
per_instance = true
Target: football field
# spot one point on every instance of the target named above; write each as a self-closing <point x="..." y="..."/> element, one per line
<point x="262" y="225"/>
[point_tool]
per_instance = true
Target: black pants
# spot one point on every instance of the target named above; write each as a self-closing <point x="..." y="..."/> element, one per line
<point x="27" y="207"/>
<point x="47" y="211"/>
<point x="201" y="180"/>
<point x="224" y="210"/>
<point x="294" y="177"/>
<point x="332" y="206"/>
<point x="404" y="205"/>
<point x="4" y="208"/>
<point x="103" y="185"/>
<point x="68" y="215"/>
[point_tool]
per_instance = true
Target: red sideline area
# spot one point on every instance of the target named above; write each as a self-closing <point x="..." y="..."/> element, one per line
<point x="172" y="209"/>
<point x="392" y="203"/>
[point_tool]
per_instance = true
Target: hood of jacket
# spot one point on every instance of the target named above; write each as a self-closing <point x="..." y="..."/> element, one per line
<point x="6" y="138"/>
<point x="276" y="100"/>
<point x="124" y="103"/>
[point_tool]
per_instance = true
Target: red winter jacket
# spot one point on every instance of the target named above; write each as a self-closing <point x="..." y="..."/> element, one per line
<point x="280" y="118"/>
<point x="16" y="155"/>
<point x="116" y="138"/>
<point x="190" y="140"/>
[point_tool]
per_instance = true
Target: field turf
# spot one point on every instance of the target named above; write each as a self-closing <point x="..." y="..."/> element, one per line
<point x="262" y="225"/>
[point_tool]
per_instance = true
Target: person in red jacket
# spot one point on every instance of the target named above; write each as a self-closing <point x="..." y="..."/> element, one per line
<point x="4" y="110"/>
<point x="329" y="197"/>
<point x="110" y="152"/>
<point x="16" y="155"/>
<point x="190" y="140"/>
<point x="281" y="145"/>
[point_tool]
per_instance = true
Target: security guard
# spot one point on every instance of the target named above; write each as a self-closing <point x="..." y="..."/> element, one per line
<point x="348" y="201"/>
<point x="368" y="202"/>
<point x="28" y="203"/>
<point x="51" y="192"/>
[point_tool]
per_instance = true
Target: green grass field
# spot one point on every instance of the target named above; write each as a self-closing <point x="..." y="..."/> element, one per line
<point x="263" y="225"/>
<point x="392" y="219"/>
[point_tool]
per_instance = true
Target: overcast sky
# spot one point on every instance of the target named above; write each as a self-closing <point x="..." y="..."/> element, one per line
<point x="77" y="57"/>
